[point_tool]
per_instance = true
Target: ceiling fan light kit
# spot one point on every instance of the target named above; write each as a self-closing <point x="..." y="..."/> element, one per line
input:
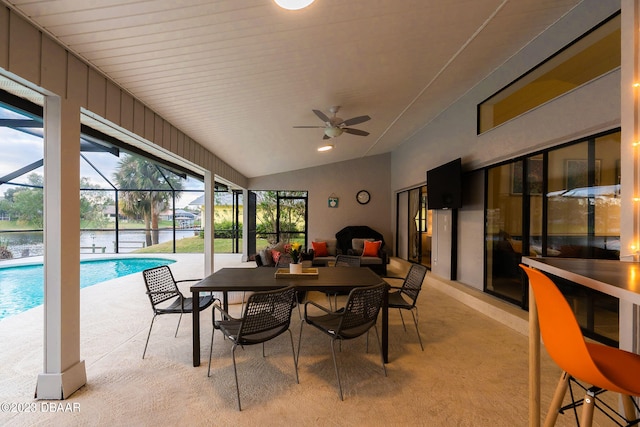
<point x="293" y="4"/>
<point x="335" y="126"/>
<point x="333" y="132"/>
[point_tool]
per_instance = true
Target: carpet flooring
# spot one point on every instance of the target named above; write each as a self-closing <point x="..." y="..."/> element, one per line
<point x="472" y="372"/>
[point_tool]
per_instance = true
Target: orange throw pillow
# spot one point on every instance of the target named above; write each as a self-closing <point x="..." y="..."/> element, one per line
<point x="371" y="248"/>
<point x="320" y="248"/>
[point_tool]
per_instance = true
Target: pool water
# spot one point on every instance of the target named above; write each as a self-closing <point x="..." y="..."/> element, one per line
<point x="22" y="287"/>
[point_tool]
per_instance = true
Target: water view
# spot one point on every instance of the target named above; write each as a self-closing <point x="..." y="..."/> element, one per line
<point x="29" y="243"/>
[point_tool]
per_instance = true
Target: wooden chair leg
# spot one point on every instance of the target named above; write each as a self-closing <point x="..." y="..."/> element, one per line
<point x="629" y="407"/>
<point x="586" y="419"/>
<point x="556" y="403"/>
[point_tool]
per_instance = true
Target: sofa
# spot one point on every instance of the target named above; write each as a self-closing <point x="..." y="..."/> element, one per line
<point x="323" y="251"/>
<point x="267" y="256"/>
<point x="351" y="241"/>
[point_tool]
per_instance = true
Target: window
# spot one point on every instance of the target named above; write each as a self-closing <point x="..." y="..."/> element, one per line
<point x="563" y="202"/>
<point x="280" y="216"/>
<point x="591" y="56"/>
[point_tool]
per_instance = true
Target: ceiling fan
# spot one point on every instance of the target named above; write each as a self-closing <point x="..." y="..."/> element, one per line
<point x="334" y="126"/>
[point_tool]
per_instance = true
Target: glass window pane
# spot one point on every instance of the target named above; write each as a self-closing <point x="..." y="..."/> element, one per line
<point x="593" y="55"/>
<point x="505" y="185"/>
<point x="606" y="197"/>
<point x="568" y="210"/>
<point x="536" y="184"/>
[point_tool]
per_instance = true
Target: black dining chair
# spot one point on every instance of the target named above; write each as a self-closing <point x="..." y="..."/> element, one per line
<point x="342" y="261"/>
<point x="405" y="296"/>
<point x="356" y="319"/>
<point x="162" y="288"/>
<point x="266" y="316"/>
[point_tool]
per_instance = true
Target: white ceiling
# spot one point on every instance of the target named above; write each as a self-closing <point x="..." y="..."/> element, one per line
<point x="236" y="75"/>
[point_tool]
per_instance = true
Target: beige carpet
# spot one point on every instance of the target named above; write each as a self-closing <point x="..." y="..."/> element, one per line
<point x="473" y="371"/>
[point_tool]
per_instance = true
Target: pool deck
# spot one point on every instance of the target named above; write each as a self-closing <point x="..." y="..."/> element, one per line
<point x="117" y="307"/>
<point x="473" y="370"/>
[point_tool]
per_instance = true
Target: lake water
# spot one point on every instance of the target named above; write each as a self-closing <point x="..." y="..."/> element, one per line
<point x="23" y="244"/>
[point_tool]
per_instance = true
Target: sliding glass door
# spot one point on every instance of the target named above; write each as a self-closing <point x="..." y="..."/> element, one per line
<point x="563" y="202"/>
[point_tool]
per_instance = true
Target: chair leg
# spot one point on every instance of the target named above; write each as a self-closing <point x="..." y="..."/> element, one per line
<point x="298" y="303"/>
<point x="213" y="331"/>
<point x="295" y="360"/>
<point x="335" y="365"/>
<point x="586" y="418"/>
<point x="384" y="369"/>
<point x="415" y="321"/>
<point x="299" y="342"/>
<point x="403" y="325"/>
<point x="329" y="301"/>
<point x="177" y="327"/>
<point x="629" y="408"/>
<point x="235" y="373"/>
<point x="148" y="335"/>
<point x="556" y="402"/>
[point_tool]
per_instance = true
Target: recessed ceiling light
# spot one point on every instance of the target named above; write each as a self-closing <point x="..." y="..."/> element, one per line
<point x="326" y="147"/>
<point x="293" y="4"/>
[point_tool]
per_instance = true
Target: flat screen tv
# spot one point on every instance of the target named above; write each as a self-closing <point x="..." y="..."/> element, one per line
<point x="444" y="186"/>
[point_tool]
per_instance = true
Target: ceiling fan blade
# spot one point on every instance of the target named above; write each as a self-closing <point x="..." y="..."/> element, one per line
<point x="322" y="116"/>
<point x="355" y="131"/>
<point x="356" y="120"/>
<point x="309" y="127"/>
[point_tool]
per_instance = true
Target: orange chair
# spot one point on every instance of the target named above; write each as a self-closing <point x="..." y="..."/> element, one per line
<point x="604" y="367"/>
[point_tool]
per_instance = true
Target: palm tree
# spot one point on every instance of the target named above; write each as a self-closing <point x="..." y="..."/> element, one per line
<point x="142" y="187"/>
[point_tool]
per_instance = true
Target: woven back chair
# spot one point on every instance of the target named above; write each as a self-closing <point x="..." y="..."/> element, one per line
<point x="342" y="261"/>
<point x="266" y="316"/>
<point x="357" y="318"/>
<point x="406" y="296"/>
<point x="166" y="298"/>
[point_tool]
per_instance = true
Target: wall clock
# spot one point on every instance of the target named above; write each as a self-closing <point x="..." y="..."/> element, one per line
<point x="363" y="197"/>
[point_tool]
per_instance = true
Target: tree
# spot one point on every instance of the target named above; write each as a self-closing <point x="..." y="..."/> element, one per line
<point x="292" y="213"/>
<point x="93" y="204"/>
<point x="27" y="202"/>
<point x="144" y="197"/>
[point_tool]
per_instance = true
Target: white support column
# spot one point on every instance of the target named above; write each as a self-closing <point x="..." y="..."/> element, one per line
<point x="245" y="225"/>
<point x="630" y="160"/>
<point x="209" y="188"/>
<point x="64" y="372"/>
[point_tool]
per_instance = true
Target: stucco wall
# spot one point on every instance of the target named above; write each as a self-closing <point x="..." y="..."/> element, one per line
<point x="589" y="109"/>
<point x="344" y="180"/>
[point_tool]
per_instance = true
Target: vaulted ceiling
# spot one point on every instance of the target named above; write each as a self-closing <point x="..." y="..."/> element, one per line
<point x="237" y="75"/>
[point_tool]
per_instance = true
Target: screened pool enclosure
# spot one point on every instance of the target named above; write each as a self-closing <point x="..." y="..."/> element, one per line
<point x="129" y="200"/>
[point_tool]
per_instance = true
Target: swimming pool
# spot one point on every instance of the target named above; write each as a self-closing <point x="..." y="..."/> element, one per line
<point x="22" y="287"/>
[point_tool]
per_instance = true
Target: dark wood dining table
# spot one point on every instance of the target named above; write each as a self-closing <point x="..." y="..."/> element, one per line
<point x="612" y="277"/>
<point x="263" y="278"/>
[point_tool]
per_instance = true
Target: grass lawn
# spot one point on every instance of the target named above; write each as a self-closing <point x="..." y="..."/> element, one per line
<point x="192" y="245"/>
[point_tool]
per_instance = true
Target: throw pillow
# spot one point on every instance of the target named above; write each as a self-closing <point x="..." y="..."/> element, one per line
<point x="331" y="245"/>
<point x="371" y="248"/>
<point x="320" y="248"/>
<point x="278" y="247"/>
<point x="266" y="259"/>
